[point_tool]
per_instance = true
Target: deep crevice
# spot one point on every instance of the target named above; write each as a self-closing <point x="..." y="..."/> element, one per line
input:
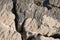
<point x="55" y="36"/>
<point x="38" y="3"/>
<point x="22" y="31"/>
<point x="46" y="3"/>
<point x="15" y="12"/>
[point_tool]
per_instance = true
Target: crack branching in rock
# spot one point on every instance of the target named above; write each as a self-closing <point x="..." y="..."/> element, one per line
<point x="22" y="31"/>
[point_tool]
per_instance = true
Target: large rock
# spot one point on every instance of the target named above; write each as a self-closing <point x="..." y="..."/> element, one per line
<point x="49" y="26"/>
<point x="43" y="19"/>
<point x="55" y="2"/>
<point x="7" y="24"/>
<point x="31" y="27"/>
<point x="6" y="33"/>
<point x="47" y="38"/>
<point x="6" y="4"/>
<point x="7" y="17"/>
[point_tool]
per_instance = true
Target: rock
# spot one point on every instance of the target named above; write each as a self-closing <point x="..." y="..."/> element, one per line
<point x="43" y="38"/>
<point x="31" y="26"/>
<point x="41" y="18"/>
<point x="47" y="38"/>
<point x="29" y="9"/>
<point x="6" y="15"/>
<point x="7" y="18"/>
<point x="55" y="2"/>
<point x="7" y="24"/>
<point x="6" y="33"/>
<point x="48" y="25"/>
<point x="6" y="4"/>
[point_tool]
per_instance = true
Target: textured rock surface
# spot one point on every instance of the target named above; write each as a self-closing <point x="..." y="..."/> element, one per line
<point x="55" y="2"/>
<point x="7" y="24"/>
<point x="43" y="38"/>
<point x="29" y="19"/>
<point x="39" y="17"/>
<point x="6" y="16"/>
<point x="6" y="33"/>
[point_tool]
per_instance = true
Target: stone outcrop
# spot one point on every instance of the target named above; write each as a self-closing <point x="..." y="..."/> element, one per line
<point x="7" y="23"/>
<point x="39" y="17"/>
<point x="29" y="19"/>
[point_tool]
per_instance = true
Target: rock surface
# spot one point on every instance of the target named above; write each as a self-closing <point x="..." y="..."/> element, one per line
<point x="29" y="19"/>
<point x="6" y="33"/>
<point x="43" y="38"/>
<point x="39" y="17"/>
<point x="7" y="23"/>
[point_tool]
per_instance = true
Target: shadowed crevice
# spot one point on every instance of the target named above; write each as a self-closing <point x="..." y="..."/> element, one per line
<point x="46" y="3"/>
<point x="55" y="36"/>
<point x="22" y="31"/>
<point x="15" y="12"/>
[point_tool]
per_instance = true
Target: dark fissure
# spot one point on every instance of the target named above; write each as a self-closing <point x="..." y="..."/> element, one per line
<point x="55" y="36"/>
<point x="15" y="12"/>
<point x="22" y="31"/>
<point x="46" y="3"/>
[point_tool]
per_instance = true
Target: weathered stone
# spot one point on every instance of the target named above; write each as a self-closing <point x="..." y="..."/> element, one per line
<point x="6" y="4"/>
<point x="31" y="26"/>
<point x="7" y="18"/>
<point x="7" y="24"/>
<point x="6" y="15"/>
<point x="42" y="19"/>
<point x="48" y="25"/>
<point x="7" y="34"/>
<point x="47" y="38"/>
<point x="55" y="2"/>
<point x="43" y="38"/>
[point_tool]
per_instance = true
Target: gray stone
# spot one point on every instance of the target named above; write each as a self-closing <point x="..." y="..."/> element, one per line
<point x="6" y="33"/>
<point x="55" y="2"/>
<point x="6" y="4"/>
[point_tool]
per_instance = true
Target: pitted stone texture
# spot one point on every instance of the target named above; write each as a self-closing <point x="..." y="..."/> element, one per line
<point x="7" y="17"/>
<point x="47" y="38"/>
<point x="44" y="38"/>
<point x="31" y="26"/>
<point x="7" y="4"/>
<point x="55" y="2"/>
<point x="49" y="24"/>
<point x="7" y="34"/>
<point x="29" y="10"/>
